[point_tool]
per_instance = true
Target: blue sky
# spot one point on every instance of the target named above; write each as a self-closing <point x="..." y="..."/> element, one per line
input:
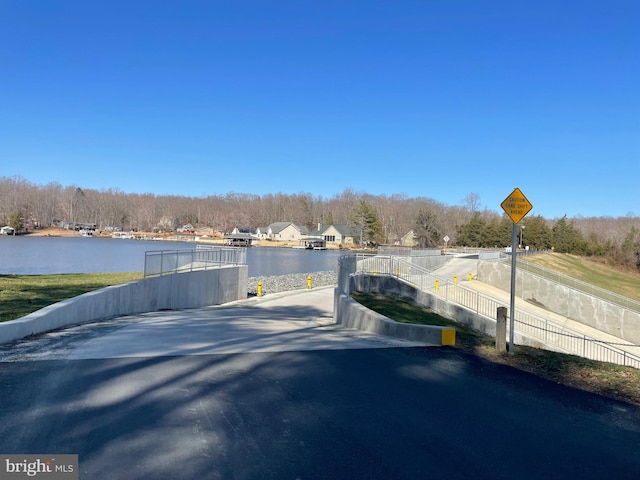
<point x="433" y="99"/>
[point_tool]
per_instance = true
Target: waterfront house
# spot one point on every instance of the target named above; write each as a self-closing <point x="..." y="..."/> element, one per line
<point x="286" y="231"/>
<point x="336" y="234"/>
<point x="262" y="233"/>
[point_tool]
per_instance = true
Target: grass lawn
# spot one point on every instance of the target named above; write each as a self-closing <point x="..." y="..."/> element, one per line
<point x="24" y="294"/>
<point x="621" y="383"/>
<point x="589" y="270"/>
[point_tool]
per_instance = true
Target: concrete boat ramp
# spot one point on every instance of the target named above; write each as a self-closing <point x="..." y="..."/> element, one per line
<point x="290" y="321"/>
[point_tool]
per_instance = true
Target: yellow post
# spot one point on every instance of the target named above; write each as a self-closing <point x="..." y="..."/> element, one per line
<point x="437" y="284"/>
<point x="448" y="336"/>
<point x="374" y="273"/>
<point x="470" y="276"/>
<point x="259" y="289"/>
<point x="397" y="272"/>
<point x="309" y="281"/>
<point x="455" y="279"/>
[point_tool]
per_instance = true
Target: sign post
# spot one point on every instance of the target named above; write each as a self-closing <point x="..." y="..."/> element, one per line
<point x="516" y="206"/>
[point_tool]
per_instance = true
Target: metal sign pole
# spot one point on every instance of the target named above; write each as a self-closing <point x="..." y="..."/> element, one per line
<point x="516" y="206"/>
<point x="512" y="308"/>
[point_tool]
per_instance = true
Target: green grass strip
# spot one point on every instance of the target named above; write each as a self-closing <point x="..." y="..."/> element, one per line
<point x="21" y="295"/>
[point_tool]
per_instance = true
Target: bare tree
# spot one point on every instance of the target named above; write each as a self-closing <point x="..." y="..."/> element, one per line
<point x="472" y="202"/>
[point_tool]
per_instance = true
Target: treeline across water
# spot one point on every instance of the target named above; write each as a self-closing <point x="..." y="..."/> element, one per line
<point x="386" y="219"/>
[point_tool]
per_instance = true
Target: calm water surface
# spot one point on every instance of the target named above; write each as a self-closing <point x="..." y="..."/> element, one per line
<point x="52" y="255"/>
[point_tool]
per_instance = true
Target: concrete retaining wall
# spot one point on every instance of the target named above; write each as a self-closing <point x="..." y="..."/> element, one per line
<point x="428" y="262"/>
<point x="563" y="300"/>
<point x="349" y="315"/>
<point x="168" y="292"/>
<point x="352" y="314"/>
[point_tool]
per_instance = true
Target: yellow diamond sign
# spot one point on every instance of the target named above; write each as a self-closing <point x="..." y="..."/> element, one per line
<point x="516" y="206"/>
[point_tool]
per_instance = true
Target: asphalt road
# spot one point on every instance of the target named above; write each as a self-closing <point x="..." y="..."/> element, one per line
<point x="349" y="406"/>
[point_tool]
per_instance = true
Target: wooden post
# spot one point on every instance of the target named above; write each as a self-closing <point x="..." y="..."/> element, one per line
<point x="501" y="329"/>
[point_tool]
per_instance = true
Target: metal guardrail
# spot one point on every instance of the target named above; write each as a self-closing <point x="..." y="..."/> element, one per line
<point x="203" y="257"/>
<point x="549" y="333"/>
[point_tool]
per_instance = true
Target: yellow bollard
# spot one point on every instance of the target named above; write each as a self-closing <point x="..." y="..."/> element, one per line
<point x="259" y="289"/>
<point x="374" y="273"/>
<point x="470" y="276"/>
<point x="397" y="272"/>
<point x="437" y="284"/>
<point x="455" y="279"/>
<point x="448" y="336"/>
<point x="309" y="281"/>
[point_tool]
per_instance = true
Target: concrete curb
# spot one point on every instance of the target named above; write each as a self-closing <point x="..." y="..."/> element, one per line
<point x="352" y="314"/>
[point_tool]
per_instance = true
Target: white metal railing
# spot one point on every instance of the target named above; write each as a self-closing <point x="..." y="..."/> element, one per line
<point x="527" y="324"/>
<point x="203" y="257"/>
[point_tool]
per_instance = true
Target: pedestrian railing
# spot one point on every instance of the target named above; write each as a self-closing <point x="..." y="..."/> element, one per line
<point x="552" y="335"/>
<point x="162" y="262"/>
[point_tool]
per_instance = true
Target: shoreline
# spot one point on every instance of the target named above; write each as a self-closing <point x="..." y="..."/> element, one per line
<point x="57" y="232"/>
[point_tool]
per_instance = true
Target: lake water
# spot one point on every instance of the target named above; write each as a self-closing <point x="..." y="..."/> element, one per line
<point x="52" y="255"/>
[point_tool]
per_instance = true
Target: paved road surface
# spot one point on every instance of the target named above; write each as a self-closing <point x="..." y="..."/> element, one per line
<point x="267" y="389"/>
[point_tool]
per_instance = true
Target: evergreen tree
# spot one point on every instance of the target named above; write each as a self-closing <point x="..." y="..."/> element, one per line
<point x="427" y="230"/>
<point x="631" y="248"/>
<point x="364" y="219"/>
<point x="16" y="221"/>
<point x="505" y="229"/>
<point x="536" y="233"/>
<point x="471" y="234"/>
<point x="566" y="238"/>
<point x="491" y="234"/>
